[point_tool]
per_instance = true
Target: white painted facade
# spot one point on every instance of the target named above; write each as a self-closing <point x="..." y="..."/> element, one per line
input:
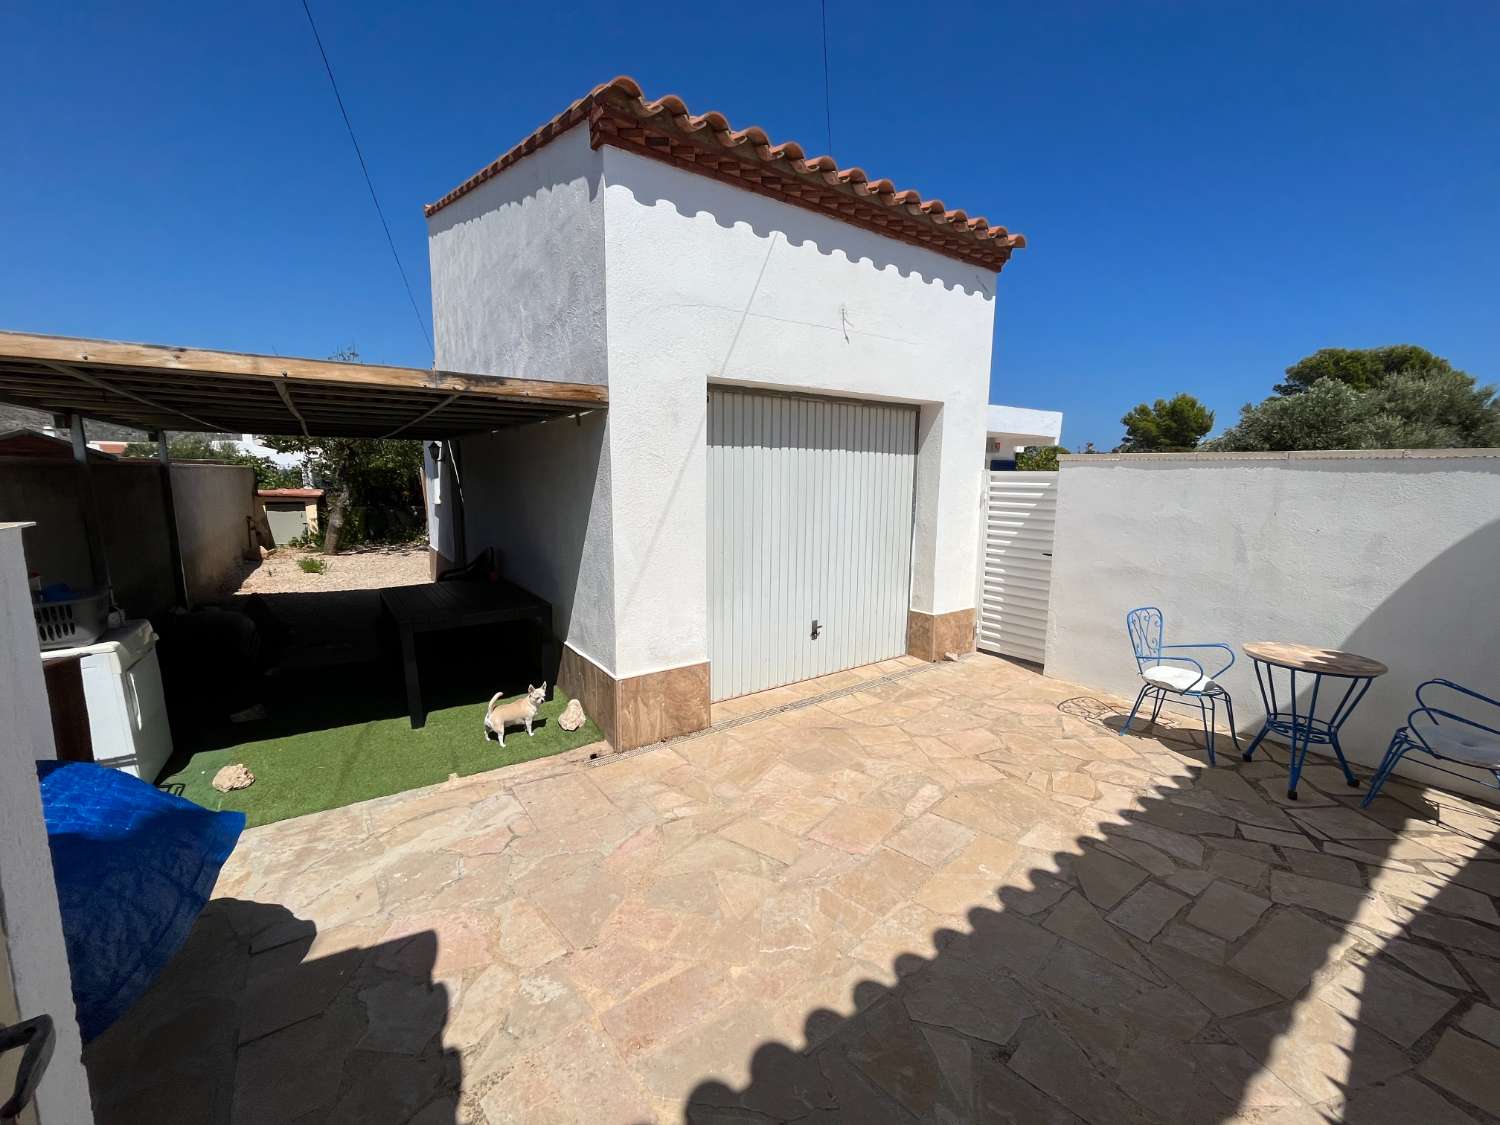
<point x="603" y="266"/>
<point x="251" y="444"/>
<point x="518" y="269"/>
<point x="1390" y="554"/>
<point x="540" y="496"/>
<point x="34" y="976"/>
<point x="1012" y="428"/>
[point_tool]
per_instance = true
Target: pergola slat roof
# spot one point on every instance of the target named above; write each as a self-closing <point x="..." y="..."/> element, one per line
<point x="156" y="387"/>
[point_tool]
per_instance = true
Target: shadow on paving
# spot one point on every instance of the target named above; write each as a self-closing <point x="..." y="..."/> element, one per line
<point x="1286" y="963"/>
<point x="253" y="1024"/>
<point x="325" y="664"/>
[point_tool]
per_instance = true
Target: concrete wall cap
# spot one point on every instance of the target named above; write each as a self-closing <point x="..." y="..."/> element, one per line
<point x="1172" y="459"/>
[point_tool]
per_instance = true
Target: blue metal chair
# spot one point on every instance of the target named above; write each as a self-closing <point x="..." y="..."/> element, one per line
<point x="1443" y="735"/>
<point x="1147" y="632"/>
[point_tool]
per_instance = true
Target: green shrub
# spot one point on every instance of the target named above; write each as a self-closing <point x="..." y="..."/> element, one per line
<point x="311" y="564"/>
<point x="1039" y="458"/>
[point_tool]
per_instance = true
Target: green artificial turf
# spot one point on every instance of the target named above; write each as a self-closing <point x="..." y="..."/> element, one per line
<point x="305" y="759"/>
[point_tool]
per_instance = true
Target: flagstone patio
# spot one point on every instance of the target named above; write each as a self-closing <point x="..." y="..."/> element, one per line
<point x="948" y="893"/>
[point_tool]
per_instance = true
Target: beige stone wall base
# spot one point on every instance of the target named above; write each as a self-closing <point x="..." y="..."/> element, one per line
<point x="637" y="710"/>
<point x="930" y="636"/>
<point x="595" y="688"/>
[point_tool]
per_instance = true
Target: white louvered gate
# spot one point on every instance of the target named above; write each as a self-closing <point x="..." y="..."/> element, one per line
<point x="809" y="519"/>
<point x="1022" y="513"/>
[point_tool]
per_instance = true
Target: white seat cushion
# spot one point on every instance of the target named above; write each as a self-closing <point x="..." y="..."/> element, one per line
<point x="1459" y="743"/>
<point x="1176" y="677"/>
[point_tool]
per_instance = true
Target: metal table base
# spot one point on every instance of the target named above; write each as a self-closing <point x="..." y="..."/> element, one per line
<point x="1301" y="727"/>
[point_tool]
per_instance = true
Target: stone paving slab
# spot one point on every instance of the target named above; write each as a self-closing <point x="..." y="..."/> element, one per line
<point x="945" y="893"/>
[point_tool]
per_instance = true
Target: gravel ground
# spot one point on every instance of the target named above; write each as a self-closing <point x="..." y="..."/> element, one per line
<point x="279" y="573"/>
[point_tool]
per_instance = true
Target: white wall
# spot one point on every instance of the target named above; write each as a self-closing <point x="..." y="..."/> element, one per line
<point x="30" y="924"/>
<point x="707" y="282"/>
<point x="518" y="290"/>
<point x="1012" y="426"/>
<point x="213" y="504"/>
<point x="518" y="270"/>
<point x="1391" y="555"/>
<point x="544" y="506"/>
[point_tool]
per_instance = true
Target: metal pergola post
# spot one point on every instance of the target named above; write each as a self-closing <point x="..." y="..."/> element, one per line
<point x="169" y="507"/>
<point x="98" y="559"/>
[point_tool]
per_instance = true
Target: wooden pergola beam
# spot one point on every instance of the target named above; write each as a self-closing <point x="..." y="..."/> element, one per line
<point x="100" y="384"/>
<point x="156" y="357"/>
<point x="98" y="559"/>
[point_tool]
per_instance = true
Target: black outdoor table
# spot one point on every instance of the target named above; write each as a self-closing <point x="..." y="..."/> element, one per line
<point x="440" y="606"/>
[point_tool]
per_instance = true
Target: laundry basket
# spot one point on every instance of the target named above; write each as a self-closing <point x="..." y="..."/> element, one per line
<point x="70" y="622"/>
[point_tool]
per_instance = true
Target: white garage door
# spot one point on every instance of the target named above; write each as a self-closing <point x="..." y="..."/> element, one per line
<point x="1018" y="564"/>
<point x="809" y="520"/>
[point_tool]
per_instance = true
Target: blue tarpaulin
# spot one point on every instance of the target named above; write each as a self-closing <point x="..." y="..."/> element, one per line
<point x="134" y="867"/>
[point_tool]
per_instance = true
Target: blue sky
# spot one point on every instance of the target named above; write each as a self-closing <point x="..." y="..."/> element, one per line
<point x="1211" y="191"/>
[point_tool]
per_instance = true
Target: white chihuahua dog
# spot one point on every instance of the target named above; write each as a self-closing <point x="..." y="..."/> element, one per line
<point x="519" y="712"/>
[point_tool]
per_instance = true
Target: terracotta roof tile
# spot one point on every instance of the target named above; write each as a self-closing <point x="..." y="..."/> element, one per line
<point x="665" y="129"/>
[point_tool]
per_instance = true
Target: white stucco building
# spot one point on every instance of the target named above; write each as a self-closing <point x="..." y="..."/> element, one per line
<point x="1013" y="428"/>
<point x="798" y="359"/>
<point x="251" y="444"/>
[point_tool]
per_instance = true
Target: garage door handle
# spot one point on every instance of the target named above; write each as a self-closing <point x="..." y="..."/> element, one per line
<point x="38" y="1037"/>
<point x="1046" y="554"/>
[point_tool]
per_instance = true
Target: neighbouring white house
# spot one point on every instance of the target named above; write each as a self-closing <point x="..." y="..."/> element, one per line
<point x="245" y="443"/>
<point x="1013" y="428"/>
<point x="797" y="356"/>
<point x="251" y="443"/>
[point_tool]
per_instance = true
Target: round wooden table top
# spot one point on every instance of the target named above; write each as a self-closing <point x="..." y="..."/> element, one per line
<point x="1305" y="658"/>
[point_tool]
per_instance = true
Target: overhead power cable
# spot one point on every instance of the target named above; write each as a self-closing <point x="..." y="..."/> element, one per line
<point x="364" y="168"/>
<point x="827" y="98"/>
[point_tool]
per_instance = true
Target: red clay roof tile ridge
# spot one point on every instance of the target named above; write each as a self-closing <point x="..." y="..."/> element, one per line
<point x="626" y="89"/>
